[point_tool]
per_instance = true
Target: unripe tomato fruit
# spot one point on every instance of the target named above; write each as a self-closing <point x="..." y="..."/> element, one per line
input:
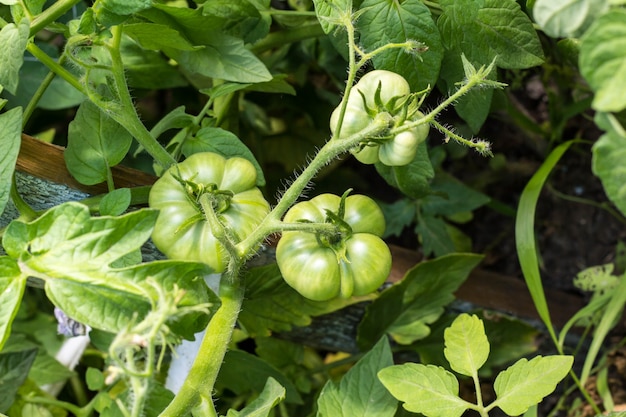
<point x="353" y="262"/>
<point x="181" y="230"/>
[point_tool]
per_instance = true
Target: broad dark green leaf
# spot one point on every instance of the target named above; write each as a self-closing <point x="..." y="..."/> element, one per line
<point x="126" y="7"/>
<point x="425" y="389"/>
<point x="360" y="393"/>
<point x="158" y="36"/>
<point x="115" y="203"/>
<point x="14" y="367"/>
<point x="11" y="122"/>
<point x="398" y="215"/>
<point x="242" y="19"/>
<point x="12" y="285"/>
<point x="244" y="373"/>
<point x="13" y="39"/>
<point x="412" y="179"/>
<point x="223" y="142"/>
<point x="270" y="305"/>
<point x="603" y="60"/>
<point x="95" y="143"/>
<point x="405" y="310"/>
<point x="272" y="394"/>
<point x="450" y="196"/>
<point x="526" y="383"/>
<point x="384" y="22"/>
<point x="484" y="31"/>
<point x="434" y="236"/>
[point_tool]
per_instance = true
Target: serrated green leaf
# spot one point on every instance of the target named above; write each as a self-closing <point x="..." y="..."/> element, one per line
<point x="13" y="39"/>
<point x="434" y="236"/>
<point x="526" y="383"/>
<point x="95" y="143"/>
<point x="115" y="203"/>
<point x="360" y="393"/>
<point x="10" y="140"/>
<point x="466" y="345"/>
<point x="12" y="285"/>
<point x="270" y="305"/>
<point x="73" y="253"/>
<point x="244" y="373"/>
<point x="450" y="196"/>
<point x="331" y="12"/>
<point x="603" y="60"/>
<point x="242" y="18"/>
<point x="272" y="394"/>
<point x="158" y="36"/>
<point x="417" y="301"/>
<point x="398" y="215"/>
<point x="223" y="142"/>
<point x="412" y="179"/>
<point x="383" y="22"/>
<point x="14" y="367"/>
<point x="425" y="389"/>
<point x="607" y="162"/>
<point x="567" y="18"/>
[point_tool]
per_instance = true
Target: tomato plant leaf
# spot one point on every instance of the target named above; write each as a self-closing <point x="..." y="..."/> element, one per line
<point x="567" y="18"/>
<point x="450" y="196"/>
<point x="398" y="215"/>
<point x="412" y="179"/>
<point x="383" y="22"/>
<point x="272" y="394"/>
<point x="14" y="367"/>
<point x="603" y="60"/>
<point x="434" y="234"/>
<point x="425" y="389"/>
<point x="13" y="39"/>
<point x="525" y="383"/>
<point x="242" y="19"/>
<point x="95" y="143"/>
<point x="244" y="373"/>
<point x="157" y="36"/>
<point x="405" y="310"/>
<point x="73" y="253"/>
<point x="270" y="305"/>
<point x="225" y="143"/>
<point x="466" y="345"/>
<point x="12" y="285"/>
<point x="115" y="203"/>
<point x="126" y="7"/>
<point x="11" y="122"/>
<point x="330" y="12"/>
<point x="607" y="160"/>
<point x="360" y="392"/>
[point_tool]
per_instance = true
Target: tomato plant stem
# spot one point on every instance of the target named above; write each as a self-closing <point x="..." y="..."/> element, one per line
<point x="198" y="387"/>
<point x="55" y="67"/>
<point x="52" y="13"/>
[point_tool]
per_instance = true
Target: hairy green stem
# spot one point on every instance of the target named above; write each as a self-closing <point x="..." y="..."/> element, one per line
<point x="55" y="67"/>
<point x="198" y="387"/>
<point x="32" y="104"/>
<point x="325" y="155"/>
<point x="52" y="13"/>
<point x="126" y="114"/>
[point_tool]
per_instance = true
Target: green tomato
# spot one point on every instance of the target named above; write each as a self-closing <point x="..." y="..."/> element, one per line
<point x="181" y="230"/>
<point x="355" y="262"/>
<point x="362" y="107"/>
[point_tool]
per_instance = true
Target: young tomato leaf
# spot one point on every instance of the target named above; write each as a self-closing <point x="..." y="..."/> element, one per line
<point x="330" y="12"/>
<point x="12" y="284"/>
<point x="425" y="389"/>
<point x="11" y="123"/>
<point x="115" y="203"/>
<point x="270" y="305"/>
<point x="525" y="383"/>
<point x="13" y="39"/>
<point x="244" y="373"/>
<point x="73" y="253"/>
<point x="405" y="310"/>
<point x="14" y="367"/>
<point x="384" y="22"/>
<point x="360" y="388"/>
<point x="603" y="60"/>
<point x="272" y="394"/>
<point x="433" y="232"/>
<point x="95" y="143"/>
<point x="466" y="345"/>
